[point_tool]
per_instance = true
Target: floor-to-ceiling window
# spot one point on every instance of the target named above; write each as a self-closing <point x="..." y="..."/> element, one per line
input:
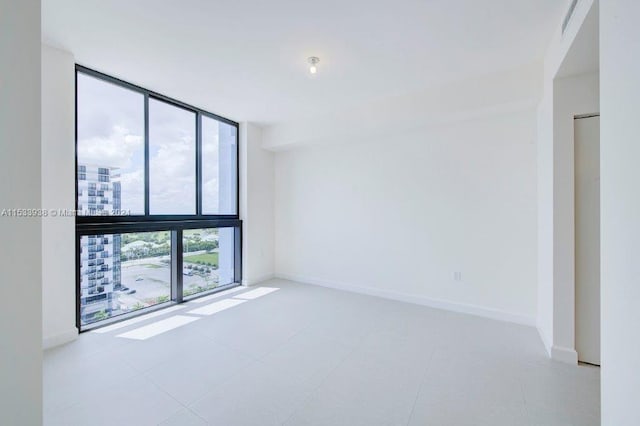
<point x="157" y="200"/>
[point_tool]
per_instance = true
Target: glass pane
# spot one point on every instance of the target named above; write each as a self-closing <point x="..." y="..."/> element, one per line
<point x="110" y="148"/>
<point x="121" y="273"/>
<point x="208" y="259"/>
<point x="219" y="167"/>
<point x="172" y="159"/>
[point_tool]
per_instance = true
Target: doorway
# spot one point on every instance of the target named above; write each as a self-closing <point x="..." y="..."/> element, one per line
<point x="587" y="237"/>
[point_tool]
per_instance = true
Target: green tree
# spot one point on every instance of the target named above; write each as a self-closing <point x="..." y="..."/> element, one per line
<point x="99" y="316"/>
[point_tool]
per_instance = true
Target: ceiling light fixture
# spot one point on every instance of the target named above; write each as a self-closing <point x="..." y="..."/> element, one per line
<point x="313" y="62"/>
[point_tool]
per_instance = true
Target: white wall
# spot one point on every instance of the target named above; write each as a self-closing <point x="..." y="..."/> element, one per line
<point x="620" y="227"/>
<point x="564" y="96"/>
<point x="461" y="100"/>
<point x="572" y="96"/>
<point x="397" y="215"/>
<point x="58" y="189"/>
<point x="256" y="206"/>
<point x="20" y="313"/>
<point x="568" y="97"/>
<point x="545" y="215"/>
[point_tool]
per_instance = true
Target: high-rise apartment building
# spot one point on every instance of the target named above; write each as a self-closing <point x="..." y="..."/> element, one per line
<point x="100" y="273"/>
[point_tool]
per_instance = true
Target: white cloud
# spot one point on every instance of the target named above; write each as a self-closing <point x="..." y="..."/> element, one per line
<point x="109" y="114"/>
<point x="132" y="186"/>
<point x="124" y="150"/>
<point x="172" y="174"/>
<point x="116" y="150"/>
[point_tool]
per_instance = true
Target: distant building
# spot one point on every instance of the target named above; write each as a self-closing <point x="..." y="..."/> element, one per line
<point x="100" y="272"/>
<point x="98" y="190"/>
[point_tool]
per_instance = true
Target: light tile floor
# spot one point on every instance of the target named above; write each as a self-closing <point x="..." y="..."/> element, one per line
<point x="306" y="355"/>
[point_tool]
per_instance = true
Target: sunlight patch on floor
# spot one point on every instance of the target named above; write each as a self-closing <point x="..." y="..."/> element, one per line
<point x="216" y="307"/>
<point x="159" y="327"/>
<point x="258" y="292"/>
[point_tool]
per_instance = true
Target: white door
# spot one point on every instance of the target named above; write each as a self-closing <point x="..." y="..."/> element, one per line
<point x="587" y="223"/>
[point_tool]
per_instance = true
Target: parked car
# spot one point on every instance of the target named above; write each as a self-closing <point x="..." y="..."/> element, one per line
<point x="131" y="291"/>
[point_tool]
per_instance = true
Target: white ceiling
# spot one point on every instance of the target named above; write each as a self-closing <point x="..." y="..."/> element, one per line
<point x="246" y="59"/>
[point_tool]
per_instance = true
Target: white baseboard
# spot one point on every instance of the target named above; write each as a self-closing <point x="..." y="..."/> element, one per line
<point x="254" y="281"/>
<point x="566" y="355"/>
<point x="418" y="300"/>
<point x="545" y="340"/>
<point x="558" y="353"/>
<point x="58" y="339"/>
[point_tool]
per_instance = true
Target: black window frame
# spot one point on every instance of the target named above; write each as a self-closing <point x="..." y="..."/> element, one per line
<point x="114" y="224"/>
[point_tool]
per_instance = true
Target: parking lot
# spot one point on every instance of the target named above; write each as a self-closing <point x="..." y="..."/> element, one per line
<point x="151" y="279"/>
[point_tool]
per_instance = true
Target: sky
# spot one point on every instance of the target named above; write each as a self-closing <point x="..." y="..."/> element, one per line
<point x="111" y="134"/>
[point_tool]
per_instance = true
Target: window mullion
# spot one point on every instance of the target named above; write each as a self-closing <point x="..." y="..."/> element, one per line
<point x="176" y="265"/>
<point x="198" y="164"/>
<point x="146" y="154"/>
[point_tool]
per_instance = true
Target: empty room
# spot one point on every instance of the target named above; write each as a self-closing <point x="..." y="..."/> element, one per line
<point x="374" y="213"/>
